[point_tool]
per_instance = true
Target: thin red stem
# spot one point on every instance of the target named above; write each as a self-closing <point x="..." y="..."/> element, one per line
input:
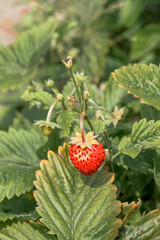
<point x="81" y="126"/>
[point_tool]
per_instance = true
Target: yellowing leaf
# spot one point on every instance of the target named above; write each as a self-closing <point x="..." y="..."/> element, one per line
<point x="75" y="206"/>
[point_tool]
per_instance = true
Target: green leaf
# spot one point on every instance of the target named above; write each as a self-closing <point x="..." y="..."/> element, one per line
<point x="142" y="81"/>
<point x="75" y="206"/>
<point x="129" y="210"/>
<point x="143" y="163"/>
<point x="98" y="125"/>
<point x="112" y="94"/>
<point x="149" y="112"/>
<point x="147" y="228"/>
<point x="18" y="161"/>
<point x="126" y="147"/>
<point x="43" y="97"/>
<point x="144" y="135"/>
<point x="11" y="73"/>
<point x="157" y="170"/>
<point x="130" y="12"/>
<point x="65" y="120"/>
<point x="144" y="41"/>
<point x="20" y="231"/>
<point x="31" y="45"/>
<point x="21" y="208"/>
<point x="17" y="62"/>
<point x="43" y="229"/>
<point x="47" y="124"/>
<point x="18" y="216"/>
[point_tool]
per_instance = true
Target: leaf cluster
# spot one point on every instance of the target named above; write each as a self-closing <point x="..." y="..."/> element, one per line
<point x="42" y="196"/>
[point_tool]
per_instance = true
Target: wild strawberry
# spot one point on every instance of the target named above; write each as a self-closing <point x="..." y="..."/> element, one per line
<point x="86" y="153"/>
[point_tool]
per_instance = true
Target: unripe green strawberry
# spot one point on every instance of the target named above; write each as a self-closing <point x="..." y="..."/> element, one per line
<point x="88" y="156"/>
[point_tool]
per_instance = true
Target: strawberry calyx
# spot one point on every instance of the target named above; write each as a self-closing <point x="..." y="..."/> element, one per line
<point x="86" y="141"/>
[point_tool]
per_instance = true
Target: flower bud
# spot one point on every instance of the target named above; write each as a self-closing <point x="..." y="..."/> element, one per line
<point x="49" y="82"/>
<point x="46" y="130"/>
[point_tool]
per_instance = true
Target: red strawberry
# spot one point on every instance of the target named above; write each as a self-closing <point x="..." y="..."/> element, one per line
<point x="87" y="155"/>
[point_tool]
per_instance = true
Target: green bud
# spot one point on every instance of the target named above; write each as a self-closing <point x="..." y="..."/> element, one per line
<point x="80" y="77"/>
<point x="46" y="130"/>
<point x="49" y="82"/>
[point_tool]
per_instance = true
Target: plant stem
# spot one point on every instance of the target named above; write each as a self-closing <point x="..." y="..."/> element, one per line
<point x="50" y="110"/>
<point x="105" y="109"/>
<point x="89" y="123"/>
<point x="102" y="108"/>
<point x="86" y="117"/>
<point x="63" y="104"/>
<point x="75" y="84"/>
<point x="115" y="155"/>
<point x="81" y="126"/>
<point x="108" y="144"/>
<point x="82" y="91"/>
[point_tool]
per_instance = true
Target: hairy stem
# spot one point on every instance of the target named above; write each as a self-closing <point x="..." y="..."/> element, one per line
<point x="108" y="144"/>
<point x="50" y="110"/>
<point x="86" y="117"/>
<point x="81" y="126"/>
<point x="63" y="104"/>
<point x="75" y="84"/>
<point x="94" y="105"/>
<point x="115" y="155"/>
<point x="82" y="91"/>
<point x="89" y="123"/>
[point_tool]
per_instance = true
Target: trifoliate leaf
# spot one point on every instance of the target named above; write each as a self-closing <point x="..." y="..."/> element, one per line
<point x="75" y="206"/>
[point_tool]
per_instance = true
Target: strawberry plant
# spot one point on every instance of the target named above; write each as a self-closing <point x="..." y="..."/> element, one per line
<point x="80" y="137"/>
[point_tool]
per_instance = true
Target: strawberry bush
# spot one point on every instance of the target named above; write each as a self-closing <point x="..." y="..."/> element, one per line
<point x="80" y="123"/>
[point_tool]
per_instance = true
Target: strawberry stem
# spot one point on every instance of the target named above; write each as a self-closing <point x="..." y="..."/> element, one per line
<point x="81" y="126"/>
<point x="89" y="123"/>
<point x="115" y="155"/>
<point x="74" y="81"/>
<point x="108" y="144"/>
<point x="50" y="110"/>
